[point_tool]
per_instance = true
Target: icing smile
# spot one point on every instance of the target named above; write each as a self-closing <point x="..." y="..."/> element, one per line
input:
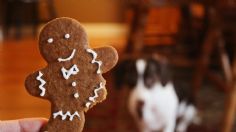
<point x="68" y="58"/>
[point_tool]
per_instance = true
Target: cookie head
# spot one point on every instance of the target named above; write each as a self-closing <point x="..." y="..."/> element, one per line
<point x="60" y="37"/>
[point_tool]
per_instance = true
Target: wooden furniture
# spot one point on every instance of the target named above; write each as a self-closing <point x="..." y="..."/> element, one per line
<point x="221" y="18"/>
<point x="139" y="26"/>
<point x="20" y="12"/>
<point x="178" y="34"/>
<point x="230" y="107"/>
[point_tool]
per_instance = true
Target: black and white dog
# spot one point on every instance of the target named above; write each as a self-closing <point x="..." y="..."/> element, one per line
<point x="154" y="101"/>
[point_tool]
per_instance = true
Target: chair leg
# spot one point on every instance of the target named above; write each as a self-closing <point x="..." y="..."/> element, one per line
<point x="35" y="16"/>
<point x="17" y="20"/>
<point x="18" y="26"/>
<point x="136" y="39"/>
<point x="203" y="62"/>
<point x="230" y="106"/>
<point x="1" y="34"/>
<point x="8" y="14"/>
<point x="51" y="9"/>
<point x="225" y="62"/>
<point x="223" y="84"/>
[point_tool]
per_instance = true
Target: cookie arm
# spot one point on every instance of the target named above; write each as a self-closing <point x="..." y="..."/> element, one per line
<point x="35" y="84"/>
<point x="109" y="57"/>
<point x="103" y="94"/>
<point x="99" y="95"/>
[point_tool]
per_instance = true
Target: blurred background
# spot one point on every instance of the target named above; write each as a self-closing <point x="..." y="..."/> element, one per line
<point x="197" y="37"/>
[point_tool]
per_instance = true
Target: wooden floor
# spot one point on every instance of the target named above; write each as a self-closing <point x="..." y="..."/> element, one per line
<point x="18" y="58"/>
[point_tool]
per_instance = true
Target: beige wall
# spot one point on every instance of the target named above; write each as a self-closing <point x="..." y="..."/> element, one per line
<point x="91" y="10"/>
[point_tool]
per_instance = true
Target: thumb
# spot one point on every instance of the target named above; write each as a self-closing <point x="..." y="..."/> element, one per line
<point x="32" y="124"/>
<point x="25" y="125"/>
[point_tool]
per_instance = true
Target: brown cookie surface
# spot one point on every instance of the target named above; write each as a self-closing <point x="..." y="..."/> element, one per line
<point x="72" y="81"/>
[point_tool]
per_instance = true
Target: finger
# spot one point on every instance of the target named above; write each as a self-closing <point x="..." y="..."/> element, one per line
<point x="28" y="124"/>
<point x="7" y="126"/>
<point x="32" y="124"/>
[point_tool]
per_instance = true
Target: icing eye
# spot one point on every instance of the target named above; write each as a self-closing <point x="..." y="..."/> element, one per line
<point x="67" y="36"/>
<point x="50" y="40"/>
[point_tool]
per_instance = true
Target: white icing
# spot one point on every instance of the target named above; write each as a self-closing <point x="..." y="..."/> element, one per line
<point x="42" y="83"/>
<point x="76" y="95"/>
<point x="92" y="99"/>
<point x="94" y="60"/>
<point x="72" y="71"/>
<point x="73" y="84"/>
<point x="87" y="104"/>
<point x="96" y="92"/>
<point x="64" y="116"/>
<point x="50" y="40"/>
<point x="67" y="36"/>
<point x="68" y="58"/>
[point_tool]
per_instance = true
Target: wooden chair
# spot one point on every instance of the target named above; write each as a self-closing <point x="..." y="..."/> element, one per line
<point x="141" y="10"/>
<point x="221" y="17"/>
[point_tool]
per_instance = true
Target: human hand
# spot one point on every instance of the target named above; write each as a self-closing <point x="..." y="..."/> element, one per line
<point x="23" y="125"/>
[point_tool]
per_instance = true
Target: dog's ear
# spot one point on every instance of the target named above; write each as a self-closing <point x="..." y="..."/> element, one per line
<point x="118" y="76"/>
<point x="125" y="73"/>
<point x="164" y="70"/>
<point x="151" y="72"/>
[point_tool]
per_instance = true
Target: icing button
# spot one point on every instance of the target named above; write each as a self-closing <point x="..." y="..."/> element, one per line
<point x="87" y="104"/>
<point x="73" y="84"/>
<point x="50" y="40"/>
<point x="67" y="36"/>
<point x="76" y="95"/>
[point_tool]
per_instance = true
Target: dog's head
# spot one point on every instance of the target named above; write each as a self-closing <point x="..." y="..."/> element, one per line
<point x="152" y="70"/>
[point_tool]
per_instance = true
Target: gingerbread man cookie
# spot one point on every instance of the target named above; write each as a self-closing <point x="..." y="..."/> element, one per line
<point x="72" y="81"/>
